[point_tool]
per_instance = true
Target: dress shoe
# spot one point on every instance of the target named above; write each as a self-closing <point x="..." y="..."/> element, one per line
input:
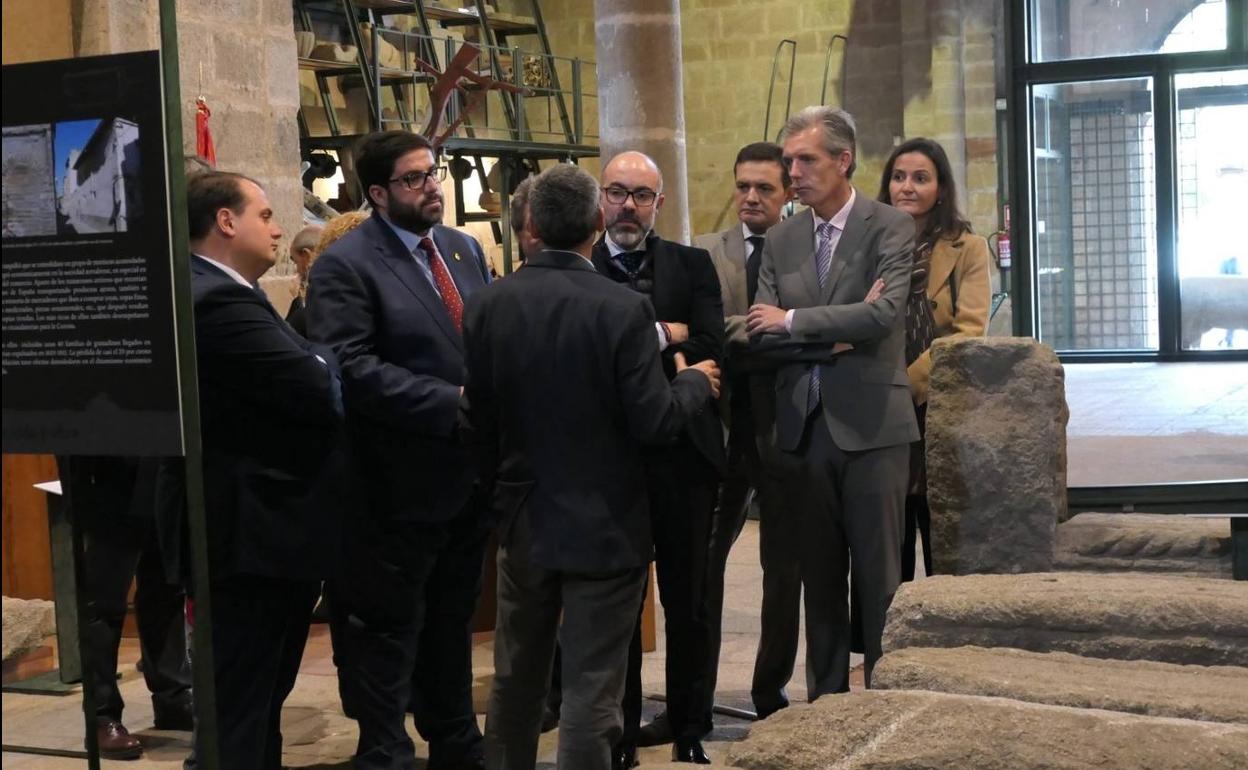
<point x="623" y="757"/>
<point x="766" y="711"/>
<point x="657" y="733"/>
<point x="116" y="742"/>
<point x="689" y="750"/>
<point x="178" y="718"/>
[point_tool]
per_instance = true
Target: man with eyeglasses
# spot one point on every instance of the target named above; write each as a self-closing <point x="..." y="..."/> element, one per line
<point x="389" y="298"/>
<point x="682" y="479"/>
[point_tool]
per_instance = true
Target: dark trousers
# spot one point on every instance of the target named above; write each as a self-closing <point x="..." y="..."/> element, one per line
<point x="779" y="552"/>
<point x="683" y="489"/>
<point x="404" y="602"/>
<point x="598" y="613"/>
<point x="259" y="629"/>
<point x="120" y="549"/>
<point x="852" y="515"/>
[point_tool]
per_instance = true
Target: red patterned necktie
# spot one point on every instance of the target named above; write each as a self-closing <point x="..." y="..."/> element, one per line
<point x="446" y="287"/>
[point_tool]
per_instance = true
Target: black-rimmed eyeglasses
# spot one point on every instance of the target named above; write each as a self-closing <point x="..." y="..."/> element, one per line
<point x="416" y="180"/>
<point x="643" y="196"/>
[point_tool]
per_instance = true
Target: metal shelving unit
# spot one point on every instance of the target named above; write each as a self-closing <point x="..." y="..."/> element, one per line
<point x="506" y="127"/>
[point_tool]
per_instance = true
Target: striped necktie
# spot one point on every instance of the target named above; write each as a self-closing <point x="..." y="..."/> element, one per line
<point x="823" y="264"/>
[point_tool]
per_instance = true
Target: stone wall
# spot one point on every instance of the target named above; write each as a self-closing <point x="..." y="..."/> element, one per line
<point x="912" y="68"/>
<point x="240" y="55"/>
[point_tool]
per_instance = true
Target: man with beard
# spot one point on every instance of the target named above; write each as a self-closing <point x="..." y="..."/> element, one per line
<point x="389" y="298"/>
<point x="682" y="478"/>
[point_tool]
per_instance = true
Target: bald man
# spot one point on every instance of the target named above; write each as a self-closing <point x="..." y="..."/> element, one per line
<point x="302" y="251"/>
<point x="682" y="478"/>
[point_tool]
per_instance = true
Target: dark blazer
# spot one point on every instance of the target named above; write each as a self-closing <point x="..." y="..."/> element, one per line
<point x="402" y="364"/>
<point x="686" y="290"/>
<point x="297" y="317"/>
<point x="866" y="394"/>
<point x="271" y="424"/>
<point x="564" y="388"/>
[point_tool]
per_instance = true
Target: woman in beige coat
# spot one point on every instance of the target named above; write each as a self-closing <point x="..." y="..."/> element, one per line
<point x="950" y="295"/>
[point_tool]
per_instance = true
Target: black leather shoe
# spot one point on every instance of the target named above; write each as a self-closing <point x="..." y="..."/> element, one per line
<point x="689" y="750"/>
<point x="180" y="718"/>
<point x="624" y="757"/>
<point x="766" y="711"/>
<point x="657" y="733"/>
<point x="116" y="742"/>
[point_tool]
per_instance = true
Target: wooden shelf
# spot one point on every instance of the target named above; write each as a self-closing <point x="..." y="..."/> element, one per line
<point x="503" y="22"/>
<point x="329" y="67"/>
<point x="388" y="6"/>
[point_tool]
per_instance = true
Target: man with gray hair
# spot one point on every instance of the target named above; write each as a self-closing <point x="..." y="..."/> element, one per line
<point x="302" y="252"/>
<point x="564" y="388"/>
<point x="844" y="418"/>
<point x="519" y="214"/>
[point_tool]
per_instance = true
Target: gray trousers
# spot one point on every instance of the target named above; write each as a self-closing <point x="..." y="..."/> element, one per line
<point x="599" y="611"/>
<point x="852" y="508"/>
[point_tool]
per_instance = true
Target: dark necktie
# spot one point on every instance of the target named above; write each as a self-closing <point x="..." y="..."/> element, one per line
<point x="752" y="263"/>
<point x="631" y="261"/>
<point x="446" y="287"/>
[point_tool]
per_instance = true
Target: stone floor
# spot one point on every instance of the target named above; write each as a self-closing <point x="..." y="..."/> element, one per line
<point x="1156" y="423"/>
<point x="317" y="735"/>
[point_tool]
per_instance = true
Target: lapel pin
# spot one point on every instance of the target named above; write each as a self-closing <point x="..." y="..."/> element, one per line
<point x="457" y="256"/>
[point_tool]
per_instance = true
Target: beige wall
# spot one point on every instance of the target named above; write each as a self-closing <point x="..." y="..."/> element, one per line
<point x="36" y="30"/>
<point x="912" y="68"/>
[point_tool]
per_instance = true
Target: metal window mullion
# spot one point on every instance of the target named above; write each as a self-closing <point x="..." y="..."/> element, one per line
<point x="1165" y="180"/>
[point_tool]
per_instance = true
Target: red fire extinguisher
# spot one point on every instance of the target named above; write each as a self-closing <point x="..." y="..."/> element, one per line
<point x="1004" y="256"/>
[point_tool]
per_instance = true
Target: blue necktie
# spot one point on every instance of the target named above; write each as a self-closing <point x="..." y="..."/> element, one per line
<point x="823" y="264"/>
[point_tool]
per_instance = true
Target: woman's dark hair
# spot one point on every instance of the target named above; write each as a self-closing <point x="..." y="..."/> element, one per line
<point x="944" y="220"/>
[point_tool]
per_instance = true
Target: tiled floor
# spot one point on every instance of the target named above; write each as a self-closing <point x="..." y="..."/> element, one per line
<point x="317" y="735"/>
<point x="1155" y="423"/>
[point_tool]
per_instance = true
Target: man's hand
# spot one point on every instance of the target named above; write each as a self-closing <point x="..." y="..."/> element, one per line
<point x="707" y="367"/>
<point x="877" y="290"/>
<point x="764" y="319"/>
<point x="679" y="332"/>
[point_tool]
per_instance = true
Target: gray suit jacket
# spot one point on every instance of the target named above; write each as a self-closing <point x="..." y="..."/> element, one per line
<point x="727" y="250"/>
<point x="865" y="392"/>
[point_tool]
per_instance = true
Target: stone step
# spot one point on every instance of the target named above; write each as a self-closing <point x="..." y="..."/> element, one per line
<point x="1129" y="542"/>
<point x="1208" y="693"/>
<point x="906" y="730"/>
<point x="1184" y="620"/>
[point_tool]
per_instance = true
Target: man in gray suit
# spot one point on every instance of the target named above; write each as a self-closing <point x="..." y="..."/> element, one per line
<point x="762" y="188"/>
<point x="847" y="418"/>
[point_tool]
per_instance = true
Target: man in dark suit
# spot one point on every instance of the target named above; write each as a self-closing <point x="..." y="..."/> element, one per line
<point x="389" y="298"/>
<point x="847" y="420"/>
<point x="113" y="501"/>
<point x="683" y="476"/>
<point x="273" y="466"/>
<point x="564" y="386"/>
<point x="761" y="189"/>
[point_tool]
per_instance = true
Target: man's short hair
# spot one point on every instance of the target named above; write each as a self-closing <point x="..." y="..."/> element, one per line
<point x="306" y="238"/>
<point x="764" y="152"/>
<point x="519" y="209"/>
<point x="563" y="206"/>
<point x="207" y="192"/>
<point x="376" y="154"/>
<point x="836" y="126"/>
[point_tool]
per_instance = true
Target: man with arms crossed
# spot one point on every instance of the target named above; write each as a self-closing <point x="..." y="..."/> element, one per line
<point x="847" y="421"/>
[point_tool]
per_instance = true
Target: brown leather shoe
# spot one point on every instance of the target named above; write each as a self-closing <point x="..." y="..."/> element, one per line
<point x="116" y="742"/>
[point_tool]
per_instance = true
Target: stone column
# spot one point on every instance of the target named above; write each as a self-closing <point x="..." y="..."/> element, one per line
<point x="641" y="97"/>
<point x="241" y="57"/>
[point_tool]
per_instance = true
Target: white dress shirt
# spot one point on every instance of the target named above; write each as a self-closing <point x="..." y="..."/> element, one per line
<point x="838" y="221"/>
